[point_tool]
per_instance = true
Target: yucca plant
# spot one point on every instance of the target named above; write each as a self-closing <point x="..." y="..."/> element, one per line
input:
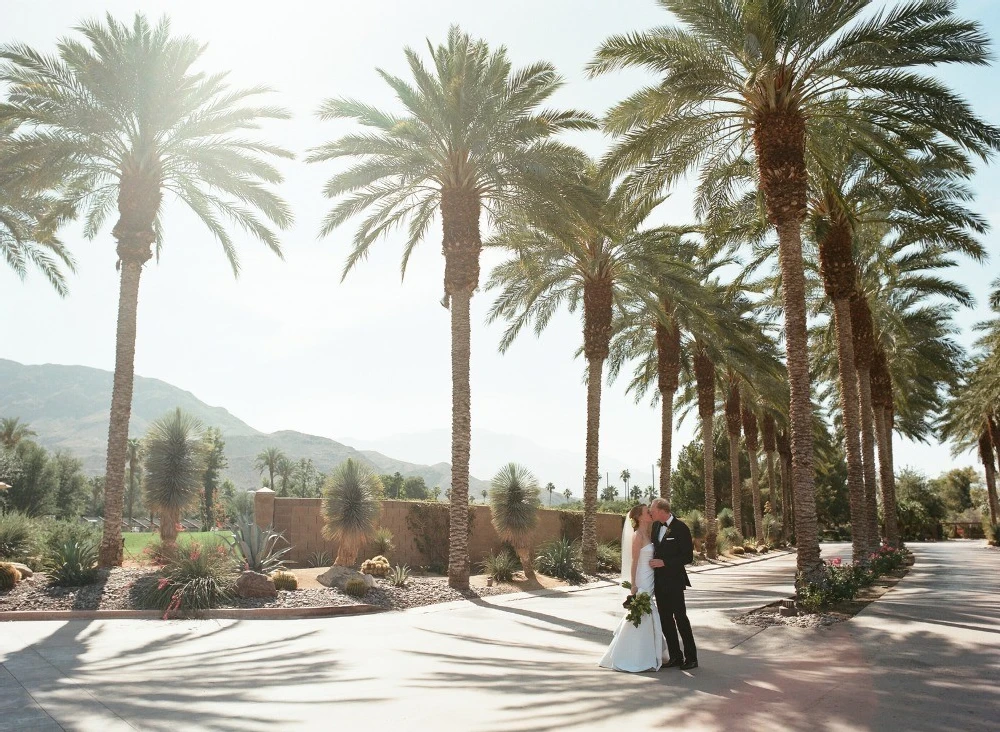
<point x="514" y="505"/>
<point x="399" y="576"/>
<point x="381" y="543"/>
<point x="351" y="508"/>
<point x="257" y="549"/>
<point x="500" y="566"/>
<point x="175" y="467"/>
<point x="74" y="563"/>
<point x="319" y="559"/>
<point x="560" y="559"/>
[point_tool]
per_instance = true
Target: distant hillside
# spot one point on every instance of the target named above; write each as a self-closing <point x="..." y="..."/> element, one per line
<point x="68" y="407"/>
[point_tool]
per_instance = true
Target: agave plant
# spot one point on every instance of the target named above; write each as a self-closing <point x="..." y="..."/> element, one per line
<point x="514" y="509"/>
<point x="257" y="549"/>
<point x="350" y="507"/>
<point x="74" y="563"/>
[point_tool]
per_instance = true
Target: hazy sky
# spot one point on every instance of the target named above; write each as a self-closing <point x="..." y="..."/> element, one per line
<point x="287" y="346"/>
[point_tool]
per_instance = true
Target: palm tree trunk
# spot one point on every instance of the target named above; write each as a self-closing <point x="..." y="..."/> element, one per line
<point x="704" y="371"/>
<point x="869" y="436"/>
<point x="989" y="467"/>
<point x="809" y="564"/>
<point x="733" y="430"/>
<point x="888" y="480"/>
<point x="770" y="447"/>
<point x="461" y="440"/>
<point x="595" y="367"/>
<point x="666" y="440"/>
<point x="110" y="554"/>
<point x="850" y="406"/>
<point x="750" y="439"/>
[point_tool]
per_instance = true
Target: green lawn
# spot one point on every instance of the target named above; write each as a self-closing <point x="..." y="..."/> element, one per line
<point x="136" y="542"/>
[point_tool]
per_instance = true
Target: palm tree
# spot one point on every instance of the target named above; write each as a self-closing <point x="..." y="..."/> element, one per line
<point x="514" y="510"/>
<point x="29" y="217"/>
<point x="270" y="459"/>
<point x="175" y="464"/>
<point x="135" y="456"/>
<point x="285" y="469"/>
<point x="122" y="118"/>
<point x="13" y="430"/>
<point x="567" y="494"/>
<point x="704" y="371"/>
<point x="626" y="476"/>
<point x="351" y="508"/>
<point x="764" y="76"/>
<point x="751" y="434"/>
<point x="550" y="489"/>
<point x="734" y="423"/>
<point x="587" y="248"/>
<point x="472" y="139"/>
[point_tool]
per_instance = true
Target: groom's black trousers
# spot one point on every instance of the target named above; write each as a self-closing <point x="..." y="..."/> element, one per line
<point x="674" y="619"/>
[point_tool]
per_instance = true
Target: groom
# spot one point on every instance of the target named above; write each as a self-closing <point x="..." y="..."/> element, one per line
<point x="672" y="549"/>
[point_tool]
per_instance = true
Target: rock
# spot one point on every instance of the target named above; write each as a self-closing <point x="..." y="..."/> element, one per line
<point x="24" y="569"/>
<point x="255" y="584"/>
<point x="339" y="577"/>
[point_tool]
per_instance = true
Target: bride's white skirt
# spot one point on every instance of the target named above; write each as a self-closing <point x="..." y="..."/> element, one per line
<point x="637" y="649"/>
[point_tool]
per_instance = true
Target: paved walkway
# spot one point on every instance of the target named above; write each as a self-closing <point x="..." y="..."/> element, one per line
<point x="924" y="657"/>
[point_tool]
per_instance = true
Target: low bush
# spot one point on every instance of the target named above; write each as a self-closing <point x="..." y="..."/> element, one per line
<point x="197" y="578"/>
<point x="9" y="576"/>
<point x="695" y="521"/>
<point x="356" y="587"/>
<point x="319" y="559"/>
<point x="500" y="566"/>
<point x="560" y="559"/>
<point x="257" y="549"/>
<point x="17" y="534"/>
<point x="749" y="546"/>
<point x="728" y="538"/>
<point x="382" y="543"/>
<point x="844" y="581"/>
<point x="724" y="519"/>
<point x="609" y="558"/>
<point x="56" y="534"/>
<point x="285" y="581"/>
<point x="74" y="563"/>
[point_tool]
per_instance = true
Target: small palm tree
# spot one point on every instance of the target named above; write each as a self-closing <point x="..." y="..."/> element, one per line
<point x="284" y="470"/>
<point x="270" y="459"/>
<point x="514" y="510"/>
<point x="351" y="508"/>
<point x="175" y="466"/>
<point x="122" y="118"/>
<point x="12" y="431"/>
<point x="472" y="139"/>
<point x="550" y="488"/>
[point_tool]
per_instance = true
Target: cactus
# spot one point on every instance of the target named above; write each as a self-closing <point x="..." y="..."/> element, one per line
<point x="376" y="566"/>
<point x="356" y="587"/>
<point x="9" y="576"/>
<point x="285" y="581"/>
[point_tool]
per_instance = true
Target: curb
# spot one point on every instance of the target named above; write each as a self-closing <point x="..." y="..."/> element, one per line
<point x="249" y="613"/>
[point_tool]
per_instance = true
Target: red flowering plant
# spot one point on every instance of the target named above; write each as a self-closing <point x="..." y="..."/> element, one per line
<point x="196" y="578"/>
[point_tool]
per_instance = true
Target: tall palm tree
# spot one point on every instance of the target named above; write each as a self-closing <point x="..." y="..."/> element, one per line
<point x="285" y="469"/>
<point x="134" y="456"/>
<point x="751" y="438"/>
<point x="762" y="76"/>
<point x="29" y="217"/>
<point x="270" y="459"/>
<point x="588" y="248"/>
<point x="732" y="409"/>
<point x="13" y="430"/>
<point x="704" y="371"/>
<point x="175" y="464"/>
<point x="472" y="138"/>
<point x="123" y="117"/>
<point x="513" y="499"/>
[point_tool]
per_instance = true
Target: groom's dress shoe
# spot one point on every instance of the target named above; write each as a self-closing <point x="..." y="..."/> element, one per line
<point x="673" y="663"/>
<point x="688" y="665"/>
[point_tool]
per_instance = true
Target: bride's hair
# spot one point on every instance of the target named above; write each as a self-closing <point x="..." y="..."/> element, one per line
<point x="634" y="515"/>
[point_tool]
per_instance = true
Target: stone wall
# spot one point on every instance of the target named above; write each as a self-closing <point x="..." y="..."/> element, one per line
<point x="301" y="521"/>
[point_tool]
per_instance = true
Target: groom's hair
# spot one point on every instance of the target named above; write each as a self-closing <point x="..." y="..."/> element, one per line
<point x="661" y="504"/>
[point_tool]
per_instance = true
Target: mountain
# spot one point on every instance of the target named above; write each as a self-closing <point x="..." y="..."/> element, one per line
<point x="492" y="450"/>
<point x="68" y="407"/>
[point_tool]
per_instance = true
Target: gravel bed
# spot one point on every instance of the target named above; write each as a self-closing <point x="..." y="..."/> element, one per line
<point x="768" y="616"/>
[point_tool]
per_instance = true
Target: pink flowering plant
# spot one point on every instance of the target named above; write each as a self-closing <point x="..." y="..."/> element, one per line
<point x="198" y="577"/>
<point x="842" y="581"/>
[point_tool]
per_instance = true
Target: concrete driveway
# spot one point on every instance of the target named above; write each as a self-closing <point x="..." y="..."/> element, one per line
<point x="924" y="657"/>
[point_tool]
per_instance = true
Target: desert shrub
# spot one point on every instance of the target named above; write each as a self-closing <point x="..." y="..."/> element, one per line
<point x="319" y="559"/>
<point x="750" y="546"/>
<point x="500" y="566"/>
<point x="991" y="531"/>
<point x="695" y="521"/>
<point x="772" y="528"/>
<point x="728" y="538"/>
<point x="724" y="519"/>
<point x="763" y="548"/>
<point x="284" y="581"/>
<point x="356" y="587"/>
<point x="609" y="558"/>
<point x="74" y="563"/>
<point x="560" y="559"/>
<point x="17" y="534"/>
<point x="9" y="576"/>
<point x="399" y="576"/>
<point x="156" y="552"/>
<point x="57" y="534"/>
<point x="198" y="577"/>
<point x="376" y="567"/>
<point x="381" y="542"/>
<point x="257" y="549"/>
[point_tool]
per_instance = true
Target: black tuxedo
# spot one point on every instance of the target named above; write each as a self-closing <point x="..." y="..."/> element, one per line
<point x="669" y="581"/>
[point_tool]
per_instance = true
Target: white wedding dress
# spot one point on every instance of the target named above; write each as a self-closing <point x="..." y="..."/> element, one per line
<point x="638" y="649"/>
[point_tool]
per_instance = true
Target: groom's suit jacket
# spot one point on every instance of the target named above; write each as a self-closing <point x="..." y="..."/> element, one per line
<point x="676" y="549"/>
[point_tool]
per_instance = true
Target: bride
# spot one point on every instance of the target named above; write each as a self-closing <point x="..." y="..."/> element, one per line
<point x="637" y="648"/>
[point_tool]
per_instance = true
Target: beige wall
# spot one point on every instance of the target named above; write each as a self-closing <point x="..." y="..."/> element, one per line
<point x="301" y="521"/>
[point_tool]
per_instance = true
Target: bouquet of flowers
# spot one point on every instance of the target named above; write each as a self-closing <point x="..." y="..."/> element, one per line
<point x="637" y="605"/>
